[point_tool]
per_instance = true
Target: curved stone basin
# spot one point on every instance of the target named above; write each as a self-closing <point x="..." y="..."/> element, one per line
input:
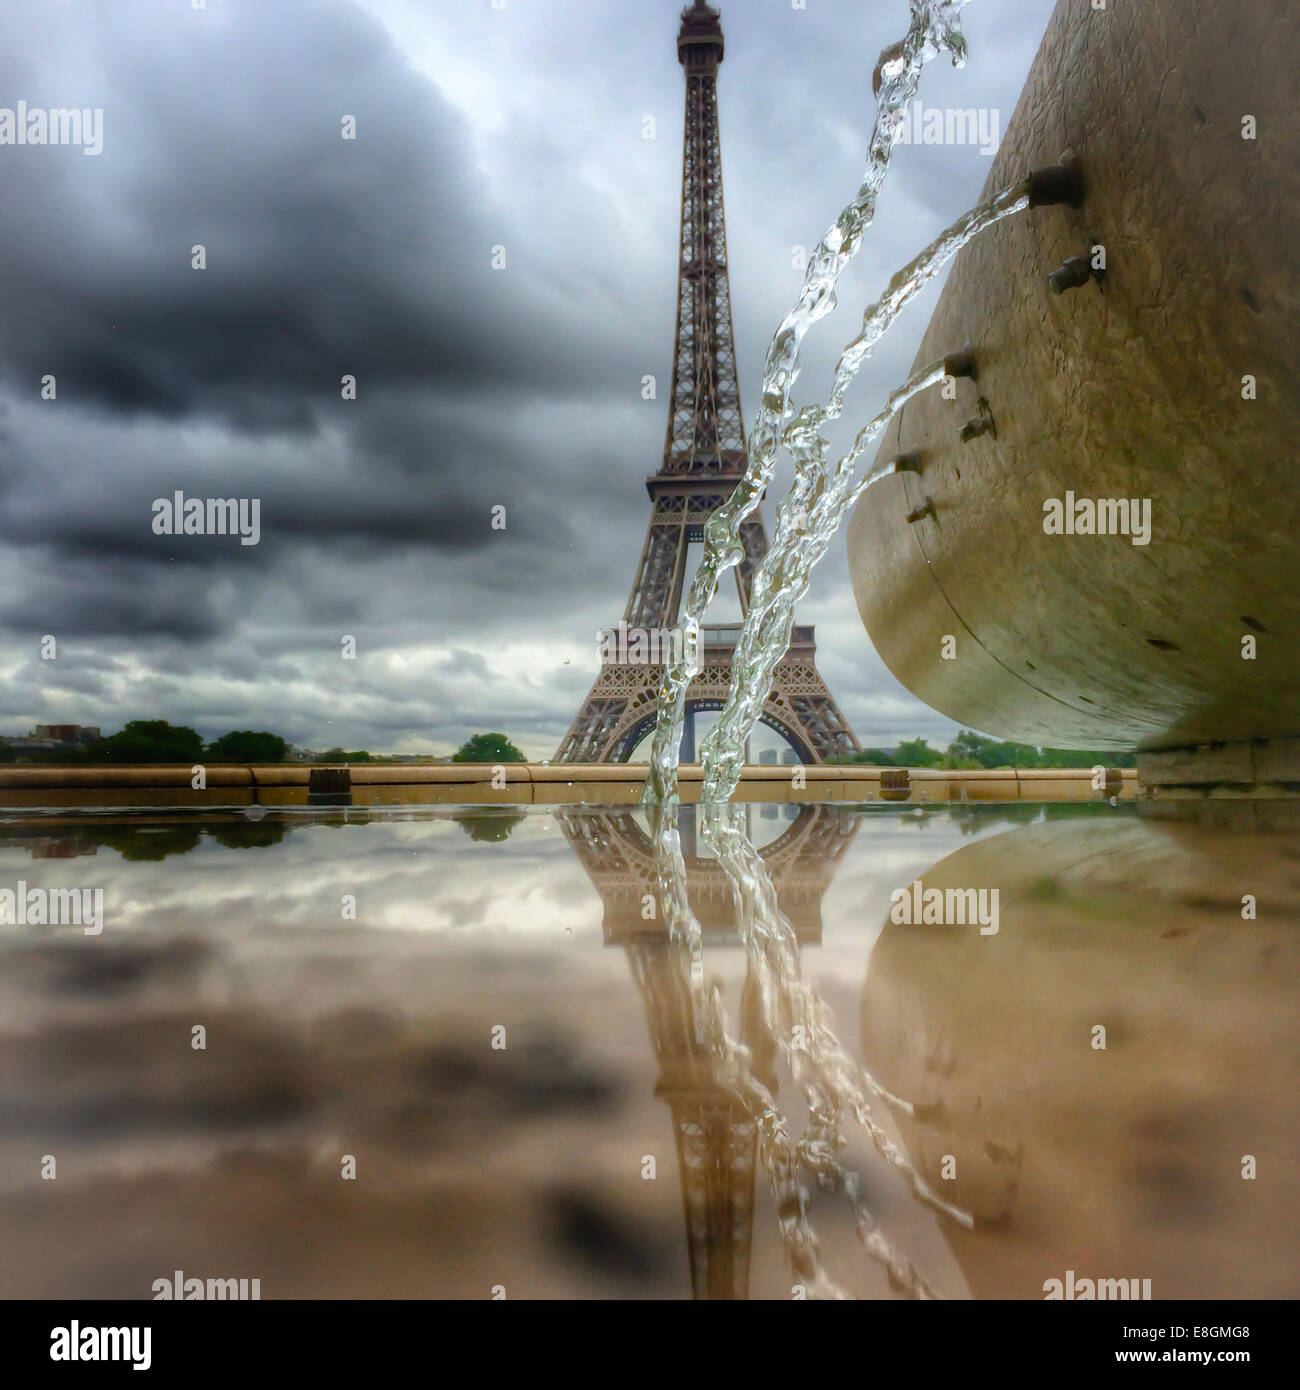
<point x="1131" y="392"/>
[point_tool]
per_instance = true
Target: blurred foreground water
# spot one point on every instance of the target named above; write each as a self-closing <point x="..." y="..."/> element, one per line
<point x="505" y="1040"/>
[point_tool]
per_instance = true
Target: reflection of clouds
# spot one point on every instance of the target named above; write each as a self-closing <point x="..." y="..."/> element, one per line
<point x="417" y="876"/>
<point x="429" y="875"/>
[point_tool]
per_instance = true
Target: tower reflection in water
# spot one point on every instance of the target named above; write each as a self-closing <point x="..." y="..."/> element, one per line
<point x="663" y="905"/>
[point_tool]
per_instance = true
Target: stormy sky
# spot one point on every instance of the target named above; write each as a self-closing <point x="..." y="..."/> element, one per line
<point x="476" y="388"/>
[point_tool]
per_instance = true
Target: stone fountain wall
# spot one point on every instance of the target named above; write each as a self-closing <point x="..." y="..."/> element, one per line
<point x="1128" y="387"/>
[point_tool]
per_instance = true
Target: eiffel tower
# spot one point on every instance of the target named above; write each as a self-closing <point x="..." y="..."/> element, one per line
<point x="704" y="457"/>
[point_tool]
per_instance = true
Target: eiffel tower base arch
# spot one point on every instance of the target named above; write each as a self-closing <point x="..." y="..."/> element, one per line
<point x="622" y="705"/>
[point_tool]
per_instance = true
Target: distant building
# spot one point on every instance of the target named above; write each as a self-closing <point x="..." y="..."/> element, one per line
<point x="67" y="735"/>
<point x="311" y="755"/>
<point x="45" y="737"/>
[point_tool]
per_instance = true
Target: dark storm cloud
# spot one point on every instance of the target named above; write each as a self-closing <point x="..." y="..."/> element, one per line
<point x="324" y="256"/>
<point x="477" y="388"/>
<point x="423" y="476"/>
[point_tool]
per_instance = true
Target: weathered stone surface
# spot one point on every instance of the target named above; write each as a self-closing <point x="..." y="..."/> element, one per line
<point x="1278" y="760"/>
<point x="1267" y="762"/>
<point x="1135" y="392"/>
<point x="1186" y="767"/>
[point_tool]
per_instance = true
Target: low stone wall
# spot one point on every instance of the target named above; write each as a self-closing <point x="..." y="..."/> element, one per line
<point x="539" y="783"/>
<point x="1261" y="766"/>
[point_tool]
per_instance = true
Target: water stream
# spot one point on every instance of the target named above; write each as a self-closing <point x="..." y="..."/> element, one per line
<point x="831" y="1084"/>
<point x="793" y="1017"/>
<point x="821" y="493"/>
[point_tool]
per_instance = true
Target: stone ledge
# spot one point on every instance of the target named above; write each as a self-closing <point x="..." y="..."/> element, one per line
<point x="38" y="777"/>
<point x="1265" y="762"/>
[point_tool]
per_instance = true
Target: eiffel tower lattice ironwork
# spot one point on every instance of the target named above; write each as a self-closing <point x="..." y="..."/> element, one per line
<point x="704" y="458"/>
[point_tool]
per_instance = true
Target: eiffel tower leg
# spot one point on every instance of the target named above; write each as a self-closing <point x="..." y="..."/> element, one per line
<point x="799" y="696"/>
<point x="623" y="698"/>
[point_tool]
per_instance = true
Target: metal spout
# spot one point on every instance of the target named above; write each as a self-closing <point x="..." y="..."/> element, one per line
<point x="983" y="423"/>
<point x="1057" y="183"/>
<point x="1070" y="275"/>
<point x="960" y="363"/>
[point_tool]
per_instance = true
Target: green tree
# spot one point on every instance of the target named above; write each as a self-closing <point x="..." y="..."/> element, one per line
<point x="151" y="844"/>
<point x="254" y="835"/>
<point x="916" y="752"/>
<point x="970" y="749"/>
<point x="488" y="748"/>
<point x="341" y="755"/>
<point x="246" y="746"/>
<point x="873" y="757"/>
<point x="974" y="750"/>
<point x="489" y="826"/>
<point x="150" y="741"/>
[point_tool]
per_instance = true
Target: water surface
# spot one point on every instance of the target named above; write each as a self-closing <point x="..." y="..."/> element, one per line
<point x="595" y="1154"/>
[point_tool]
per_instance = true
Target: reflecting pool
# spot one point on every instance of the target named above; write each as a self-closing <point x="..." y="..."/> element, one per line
<point x="462" y="1052"/>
